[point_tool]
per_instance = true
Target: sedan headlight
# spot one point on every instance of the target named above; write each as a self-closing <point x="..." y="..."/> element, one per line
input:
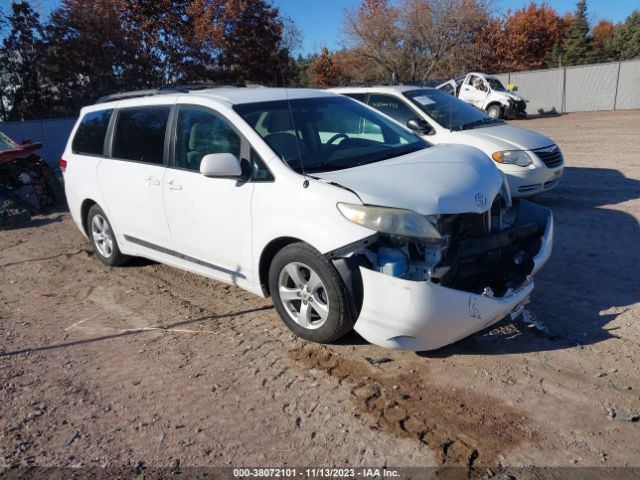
<point x="512" y="157"/>
<point x="394" y="221"/>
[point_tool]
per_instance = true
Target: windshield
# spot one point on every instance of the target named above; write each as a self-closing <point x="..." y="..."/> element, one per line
<point x="447" y="111"/>
<point x="496" y="85"/>
<point x="327" y="133"/>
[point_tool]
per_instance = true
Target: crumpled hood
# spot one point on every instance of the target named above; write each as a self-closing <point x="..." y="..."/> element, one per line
<point x="445" y="179"/>
<point x="512" y="95"/>
<point x="504" y="137"/>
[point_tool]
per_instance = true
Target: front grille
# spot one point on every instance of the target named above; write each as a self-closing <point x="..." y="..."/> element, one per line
<point x="551" y="156"/>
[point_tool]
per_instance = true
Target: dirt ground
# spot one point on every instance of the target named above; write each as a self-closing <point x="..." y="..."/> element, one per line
<point x="145" y="363"/>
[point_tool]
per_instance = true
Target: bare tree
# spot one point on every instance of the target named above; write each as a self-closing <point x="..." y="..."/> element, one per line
<point x="437" y="31"/>
<point x="373" y="32"/>
<point x="416" y="38"/>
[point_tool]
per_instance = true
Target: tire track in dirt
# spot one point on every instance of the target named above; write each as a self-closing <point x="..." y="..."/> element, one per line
<point x="462" y="427"/>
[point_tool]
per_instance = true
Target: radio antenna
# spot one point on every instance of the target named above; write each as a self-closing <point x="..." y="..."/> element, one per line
<point x="305" y="184"/>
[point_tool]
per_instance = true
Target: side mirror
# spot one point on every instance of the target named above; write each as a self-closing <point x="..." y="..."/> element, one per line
<point x="221" y="165"/>
<point x="420" y="126"/>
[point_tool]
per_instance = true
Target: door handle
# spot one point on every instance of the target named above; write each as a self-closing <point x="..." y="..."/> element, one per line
<point x="152" y="181"/>
<point x="173" y="186"/>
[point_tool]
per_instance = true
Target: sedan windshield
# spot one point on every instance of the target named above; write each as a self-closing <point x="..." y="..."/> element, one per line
<point x="448" y="111"/>
<point x="327" y="133"/>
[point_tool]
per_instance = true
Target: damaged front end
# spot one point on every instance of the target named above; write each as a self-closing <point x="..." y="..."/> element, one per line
<point x="423" y="293"/>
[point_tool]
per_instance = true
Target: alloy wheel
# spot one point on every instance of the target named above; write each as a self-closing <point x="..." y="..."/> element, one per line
<point x="303" y="295"/>
<point x="102" y="235"/>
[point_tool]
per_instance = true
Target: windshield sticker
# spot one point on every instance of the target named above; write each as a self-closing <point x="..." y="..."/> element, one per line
<point x="424" y="100"/>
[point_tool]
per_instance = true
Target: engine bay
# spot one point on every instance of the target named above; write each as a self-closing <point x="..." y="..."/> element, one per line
<point x="490" y="253"/>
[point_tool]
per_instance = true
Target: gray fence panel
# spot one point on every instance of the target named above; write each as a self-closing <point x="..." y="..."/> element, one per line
<point x="541" y="89"/>
<point x="53" y="134"/>
<point x="591" y="87"/>
<point x="629" y="86"/>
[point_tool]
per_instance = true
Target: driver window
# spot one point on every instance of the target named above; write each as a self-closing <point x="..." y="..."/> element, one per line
<point x="395" y="108"/>
<point x="478" y="84"/>
<point x="200" y="132"/>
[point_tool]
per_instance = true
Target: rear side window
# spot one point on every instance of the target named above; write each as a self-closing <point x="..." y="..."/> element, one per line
<point x="139" y="134"/>
<point x="89" y="138"/>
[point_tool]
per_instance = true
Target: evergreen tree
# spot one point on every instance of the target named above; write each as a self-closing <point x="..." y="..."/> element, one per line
<point x="625" y="43"/>
<point x="23" y="92"/>
<point x="577" y="48"/>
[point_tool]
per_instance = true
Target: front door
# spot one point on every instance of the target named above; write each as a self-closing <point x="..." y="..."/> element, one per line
<point x="209" y="218"/>
<point x="474" y="91"/>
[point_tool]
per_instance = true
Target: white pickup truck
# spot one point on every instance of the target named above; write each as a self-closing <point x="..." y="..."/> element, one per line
<point x="487" y="93"/>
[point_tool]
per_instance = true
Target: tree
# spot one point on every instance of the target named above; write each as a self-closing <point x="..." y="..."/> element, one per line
<point x="625" y="42"/>
<point x="437" y="32"/>
<point x="90" y="53"/>
<point x="577" y="47"/>
<point x="602" y="34"/>
<point x="24" y="94"/>
<point x="96" y="47"/>
<point x="523" y="40"/>
<point x="322" y="71"/>
<point x="245" y="58"/>
<point x="372" y="31"/>
<point x="416" y="39"/>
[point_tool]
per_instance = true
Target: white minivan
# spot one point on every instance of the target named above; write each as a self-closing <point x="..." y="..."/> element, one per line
<point x="532" y="162"/>
<point x="345" y="218"/>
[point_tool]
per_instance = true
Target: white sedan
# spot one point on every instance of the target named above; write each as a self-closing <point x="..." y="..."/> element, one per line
<point x="531" y="162"/>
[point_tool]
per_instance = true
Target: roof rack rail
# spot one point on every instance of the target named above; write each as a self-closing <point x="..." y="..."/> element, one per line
<point x="165" y="90"/>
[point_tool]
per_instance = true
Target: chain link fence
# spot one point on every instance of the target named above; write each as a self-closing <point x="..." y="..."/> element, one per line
<point x="585" y="88"/>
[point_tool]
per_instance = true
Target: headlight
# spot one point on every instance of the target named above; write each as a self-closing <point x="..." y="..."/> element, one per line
<point x="391" y="220"/>
<point x="512" y="157"/>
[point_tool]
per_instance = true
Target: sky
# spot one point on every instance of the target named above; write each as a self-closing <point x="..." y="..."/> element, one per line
<point x="320" y="21"/>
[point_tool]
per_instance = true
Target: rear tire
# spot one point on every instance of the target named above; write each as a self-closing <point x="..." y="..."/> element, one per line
<point x="103" y="239"/>
<point x="309" y="294"/>
<point x="494" y="111"/>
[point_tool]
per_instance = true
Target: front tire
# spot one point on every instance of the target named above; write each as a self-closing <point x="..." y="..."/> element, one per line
<point x="494" y="111"/>
<point x="103" y="238"/>
<point x="309" y="294"/>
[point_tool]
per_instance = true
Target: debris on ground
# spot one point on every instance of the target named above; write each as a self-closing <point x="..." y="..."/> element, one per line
<point x="28" y="186"/>
<point x="630" y="417"/>
<point x="377" y="361"/>
<point x="529" y="318"/>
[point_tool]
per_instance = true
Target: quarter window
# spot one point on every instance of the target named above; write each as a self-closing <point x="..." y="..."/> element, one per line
<point x="395" y="108"/>
<point x="199" y="133"/>
<point x="139" y="134"/>
<point x="259" y="171"/>
<point x="89" y="138"/>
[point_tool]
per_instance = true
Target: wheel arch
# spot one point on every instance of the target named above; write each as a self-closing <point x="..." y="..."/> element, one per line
<point x="266" y="257"/>
<point x="84" y="210"/>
